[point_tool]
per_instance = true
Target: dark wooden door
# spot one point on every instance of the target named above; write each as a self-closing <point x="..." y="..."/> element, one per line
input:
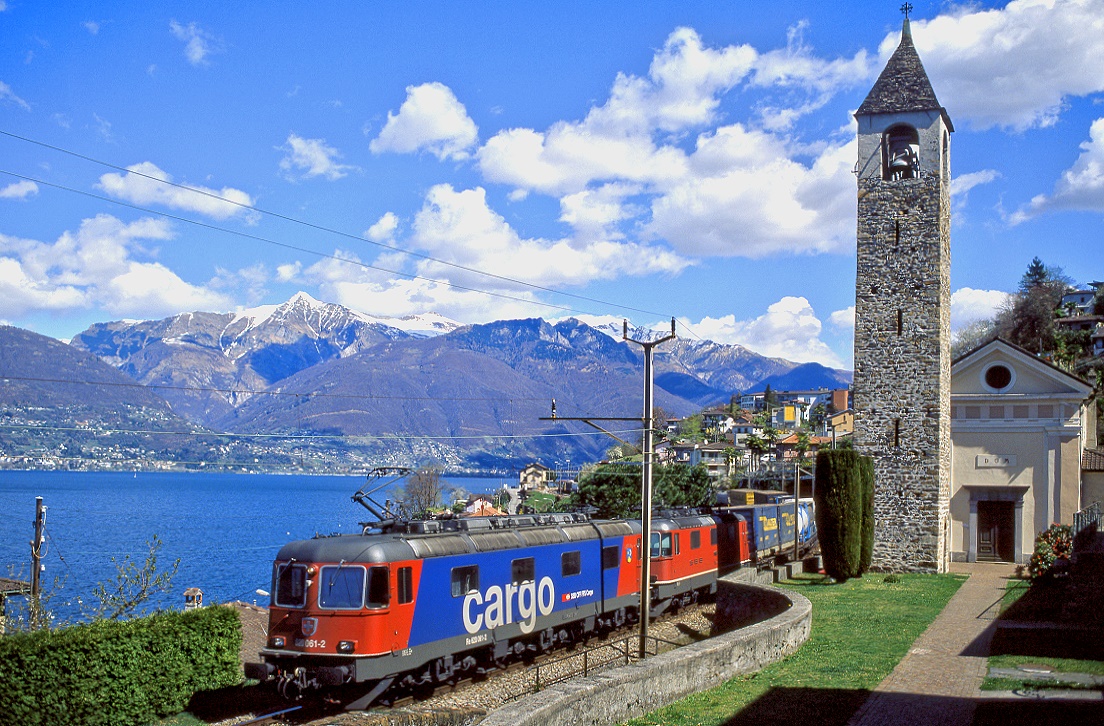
<point x="995" y="531"/>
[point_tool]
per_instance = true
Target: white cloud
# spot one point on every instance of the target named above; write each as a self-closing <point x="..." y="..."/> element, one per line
<point x="198" y="43"/>
<point x="145" y="184"/>
<point x="795" y="67"/>
<point x="741" y="190"/>
<point x="7" y="94"/>
<point x="98" y="265"/>
<point x="288" y="272"/>
<point x="969" y="305"/>
<point x="748" y="198"/>
<point x="843" y="319"/>
<point x="384" y="228"/>
<point x="153" y="290"/>
<point x="459" y="227"/>
<point x="311" y="158"/>
<point x="1014" y="66"/>
<point x="789" y="329"/>
<point x="595" y="213"/>
<point x="963" y="183"/>
<point x="430" y="119"/>
<point x="1080" y="187"/>
<point x="19" y="190"/>
<point x="91" y="26"/>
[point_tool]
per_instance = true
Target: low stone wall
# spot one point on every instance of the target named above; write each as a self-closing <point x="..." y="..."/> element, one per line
<point x="614" y="696"/>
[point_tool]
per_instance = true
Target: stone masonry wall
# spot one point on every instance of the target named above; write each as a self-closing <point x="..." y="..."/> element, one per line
<point x="902" y="365"/>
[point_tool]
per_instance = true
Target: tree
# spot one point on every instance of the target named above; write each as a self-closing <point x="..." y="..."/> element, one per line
<point x="677" y="485"/>
<point x="614" y="489"/>
<point x="804" y="442"/>
<point x="972" y="336"/>
<point x="770" y="438"/>
<point x="730" y="456"/>
<point x="691" y="428"/>
<point x="841" y="510"/>
<point x="133" y="587"/>
<point x="1027" y="319"/>
<point x="422" y="491"/>
<point x="756" y="446"/>
<point x="770" y="400"/>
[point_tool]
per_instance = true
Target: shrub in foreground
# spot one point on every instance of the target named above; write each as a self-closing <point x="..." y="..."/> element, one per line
<point x="1052" y="545"/>
<point x="118" y="673"/>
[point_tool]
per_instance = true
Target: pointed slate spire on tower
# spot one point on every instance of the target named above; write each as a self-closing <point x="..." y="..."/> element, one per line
<point x="903" y="85"/>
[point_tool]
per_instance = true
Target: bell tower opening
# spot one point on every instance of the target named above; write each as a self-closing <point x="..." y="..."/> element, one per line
<point x="900" y="153"/>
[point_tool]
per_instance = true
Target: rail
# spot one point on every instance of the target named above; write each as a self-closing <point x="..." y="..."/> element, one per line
<point x="1086" y="523"/>
<point x="588" y="660"/>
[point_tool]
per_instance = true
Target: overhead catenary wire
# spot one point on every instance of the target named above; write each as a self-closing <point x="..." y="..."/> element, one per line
<point x="265" y="392"/>
<point x="318" y="227"/>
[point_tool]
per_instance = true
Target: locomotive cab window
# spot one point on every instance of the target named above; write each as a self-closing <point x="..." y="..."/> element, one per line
<point x="291" y="586"/>
<point x="662" y="544"/>
<point x="571" y="563"/>
<point x="406" y="585"/>
<point x="465" y="580"/>
<point x="695" y="539"/>
<point x="522" y="570"/>
<point x="379" y="587"/>
<point x="712" y="535"/>
<point x="341" y="588"/>
<point x="611" y="556"/>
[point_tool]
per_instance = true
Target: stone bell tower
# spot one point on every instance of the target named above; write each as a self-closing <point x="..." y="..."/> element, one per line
<point x="902" y="313"/>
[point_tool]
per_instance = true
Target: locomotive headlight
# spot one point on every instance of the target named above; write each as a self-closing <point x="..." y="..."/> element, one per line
<point x="346" y="646"/>
<point x="311" y="570"/>
<point x="276" y="641"/>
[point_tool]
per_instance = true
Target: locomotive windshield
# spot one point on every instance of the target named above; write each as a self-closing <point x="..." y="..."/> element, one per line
<point x="291" y="586"/>
<point x="661" y="544"/>
<point x="342" y="588"/>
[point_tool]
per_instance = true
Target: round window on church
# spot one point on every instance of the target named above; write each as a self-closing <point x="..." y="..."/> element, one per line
<point x="998" y="377"/>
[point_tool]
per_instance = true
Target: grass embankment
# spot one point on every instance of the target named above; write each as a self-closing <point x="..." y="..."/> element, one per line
<point x="861" y="629"/>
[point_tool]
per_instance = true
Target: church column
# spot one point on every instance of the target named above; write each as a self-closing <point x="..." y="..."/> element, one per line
<point x="971" y="531"/>
<point x="1017" y="531"/>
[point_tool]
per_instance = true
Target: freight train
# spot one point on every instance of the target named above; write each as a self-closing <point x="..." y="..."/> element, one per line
<point x="428" y="602"/>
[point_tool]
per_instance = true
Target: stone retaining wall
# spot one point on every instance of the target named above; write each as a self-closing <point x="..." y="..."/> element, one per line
<point x="614" y="696"/>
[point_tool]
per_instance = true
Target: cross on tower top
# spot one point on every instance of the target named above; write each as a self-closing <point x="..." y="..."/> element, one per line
<point x="906" y="9"/>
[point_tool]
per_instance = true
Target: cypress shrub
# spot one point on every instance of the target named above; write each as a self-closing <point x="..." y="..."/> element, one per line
<point x="118" y="673"/>
<point x="839" y="512"/>
<point x="866" y="469"/>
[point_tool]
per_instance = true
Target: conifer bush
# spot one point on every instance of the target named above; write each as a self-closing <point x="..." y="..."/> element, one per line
<point x="844" y="502"/>
<point x="866" y="469"/>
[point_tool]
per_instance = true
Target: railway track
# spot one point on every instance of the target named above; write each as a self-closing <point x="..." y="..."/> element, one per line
<point x="487" y="691"/>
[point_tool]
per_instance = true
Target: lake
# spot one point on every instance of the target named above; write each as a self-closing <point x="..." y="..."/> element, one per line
<point x="225" y="528"/>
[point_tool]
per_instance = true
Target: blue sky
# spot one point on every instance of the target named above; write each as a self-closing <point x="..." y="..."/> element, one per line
<point x="604" y="160"/>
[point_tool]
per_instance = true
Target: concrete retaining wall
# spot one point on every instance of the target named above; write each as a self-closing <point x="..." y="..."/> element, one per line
<point x="614" y="696"/>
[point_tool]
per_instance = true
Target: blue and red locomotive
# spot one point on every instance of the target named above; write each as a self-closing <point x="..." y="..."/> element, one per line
<point x="425" y="602"/>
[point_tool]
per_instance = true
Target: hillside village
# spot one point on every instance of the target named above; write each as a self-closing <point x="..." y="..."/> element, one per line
<point x="766" y="439"/>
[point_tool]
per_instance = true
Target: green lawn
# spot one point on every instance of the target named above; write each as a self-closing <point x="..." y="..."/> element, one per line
<point x="861" y="629"/>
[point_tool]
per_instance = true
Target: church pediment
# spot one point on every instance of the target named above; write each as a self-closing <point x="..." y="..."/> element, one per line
<point x="998" y="367"/>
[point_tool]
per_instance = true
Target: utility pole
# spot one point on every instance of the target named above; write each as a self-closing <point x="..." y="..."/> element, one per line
<point x="36" y="548"/>
<point x="646" y="484"/>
